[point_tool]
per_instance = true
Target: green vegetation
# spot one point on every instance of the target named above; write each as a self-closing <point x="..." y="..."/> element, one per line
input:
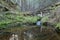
<point x="58" y="25"/>
<point x="16" y="17"/>
<point x="11" y="19"/>
<point x="45" y="19"/>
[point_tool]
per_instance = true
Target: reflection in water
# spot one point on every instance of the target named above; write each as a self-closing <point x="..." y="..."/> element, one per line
<point x="14" y="37"/>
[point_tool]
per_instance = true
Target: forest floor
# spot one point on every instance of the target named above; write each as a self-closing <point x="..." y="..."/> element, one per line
<point x="46" y="34"/>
